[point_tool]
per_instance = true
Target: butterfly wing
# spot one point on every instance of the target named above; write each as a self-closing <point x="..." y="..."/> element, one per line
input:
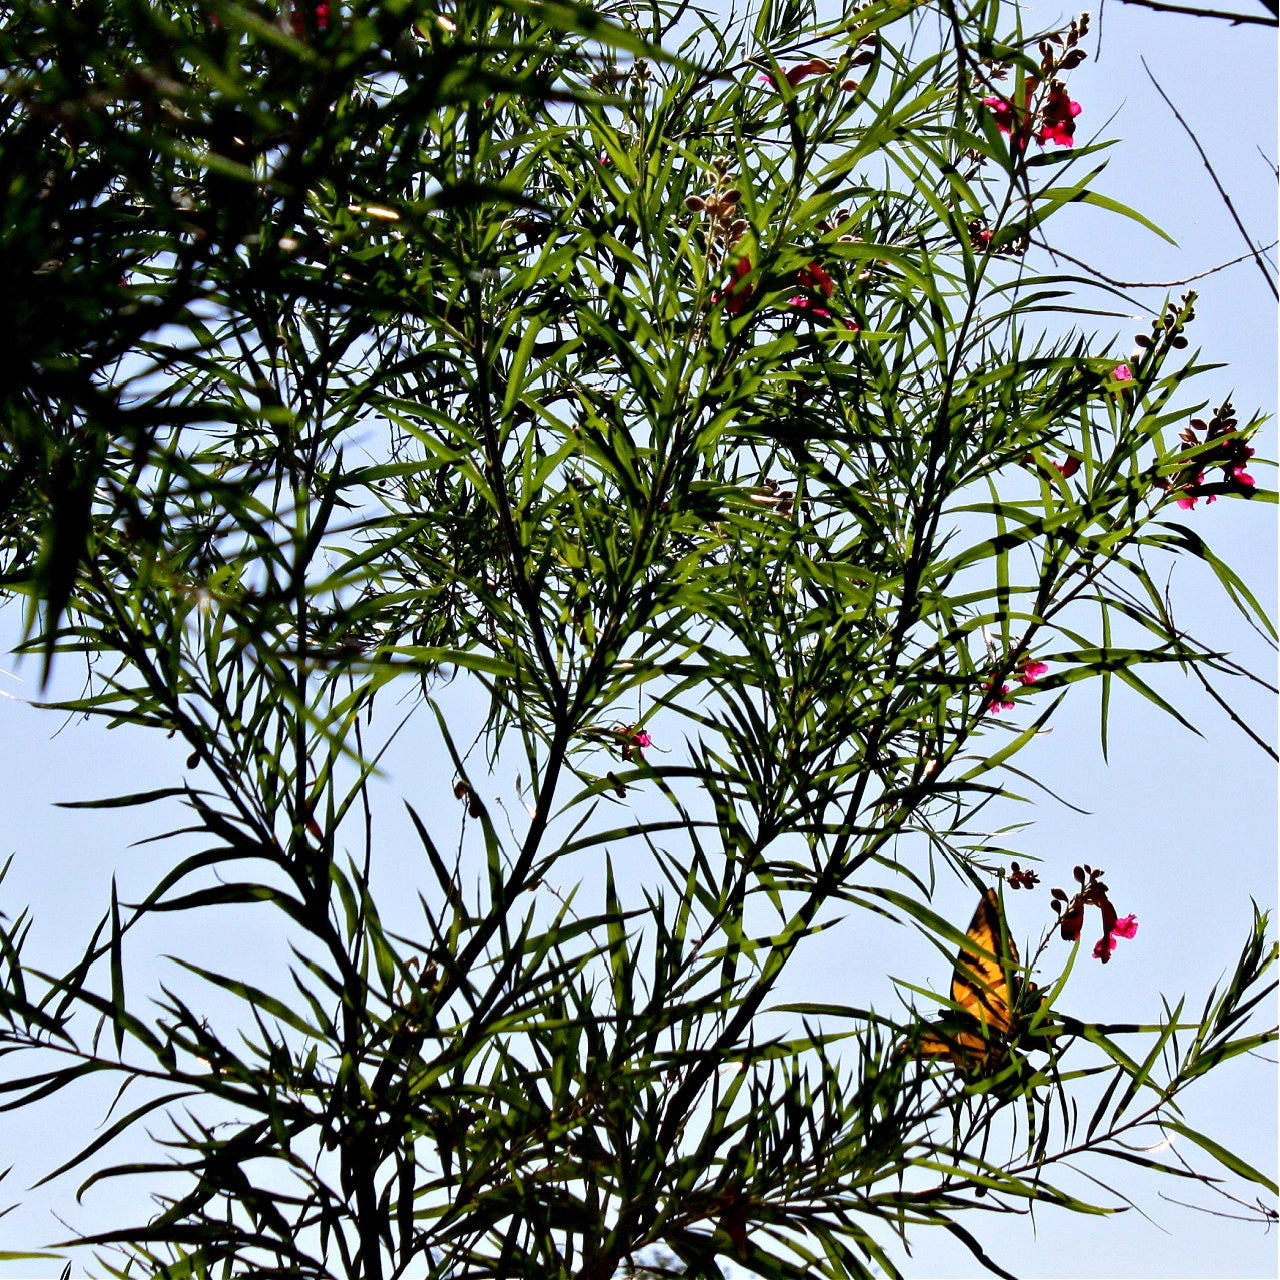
<point x="980" y="984"/>
<point x="980" y="992"/>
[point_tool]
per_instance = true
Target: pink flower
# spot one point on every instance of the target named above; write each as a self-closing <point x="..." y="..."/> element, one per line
<point x="807" y="304"/>
<point x="1032" y="671"/>
<point x="1058" y="120"/>
<point x="1003" y="112"/>
<point x="1125" y="928"/>
<point x="996" y="700"/>
<point x="1122" y="373"/>
<point x="1189" y="500"/>
<point x="739" y="292"/>
<point x="319" y="12"/>
<point x="814" y="277"/>
<point x="1068" y="468"/>
<point x="1011" y="119"/>
<point x="1240" y="475"/>
<point x="634" y="741"/>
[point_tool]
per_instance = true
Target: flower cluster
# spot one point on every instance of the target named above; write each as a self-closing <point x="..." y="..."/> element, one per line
<point x="1017" y="878"/>
<point x="864" y="54"/>
<point x="1092" y="892"/>
<point x="997" y="700"/>
<point x="719" y="208"/>
<point x="1222" y="446"/>
<point x="1055" y="121"/>
<point x="814" y="278"/>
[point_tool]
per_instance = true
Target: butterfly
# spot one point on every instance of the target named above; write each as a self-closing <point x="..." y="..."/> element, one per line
<point x="984" y="1022"/>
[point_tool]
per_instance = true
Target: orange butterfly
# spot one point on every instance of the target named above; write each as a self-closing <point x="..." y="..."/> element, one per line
<point x="983" y="1023"/>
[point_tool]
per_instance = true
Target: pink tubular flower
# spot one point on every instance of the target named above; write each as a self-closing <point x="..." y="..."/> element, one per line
<point x="1122" y="373"/>
<point x="1032" y="671"/>
<point x="995" y="698"/>
<point x="1003" y="112"/>
<point x="1058" y="119"/>
<point x="1091" y="892"/>
<point x="813" y="277"/>
<point x="1068" y="468"/>
<point x="1125" y="928"/>
<point x="739" y="292"/>
<point x="1189" y="500"/>
<point x="634" y="741"/>
<point x="807" y="304"/>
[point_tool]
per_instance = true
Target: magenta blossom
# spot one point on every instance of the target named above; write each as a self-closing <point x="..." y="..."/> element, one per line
<point x="1126" y="927"/>
<point x="1187" y="501"/>
<point x="1058" y="118"/>
<point x="808" y="304"/>
<point x="1032" y="671"/>
<point x="1122" y="373"/>
<point x="739" y="292"/>
<point x="634" y="741"/>
<point x="996" y="699"/>
<point x="1002" y="109"/>
<point x="813" y="277"/>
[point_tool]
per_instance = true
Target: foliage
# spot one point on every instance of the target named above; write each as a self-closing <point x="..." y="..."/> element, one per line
<point x="704" y="419"/>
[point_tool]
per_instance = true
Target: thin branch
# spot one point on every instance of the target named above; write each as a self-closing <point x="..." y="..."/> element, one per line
<point x="1235" y="718"/>
<point x="1226" y="199"/>
<point x="1150" y="284"/>
<point x="1234" y="18"/>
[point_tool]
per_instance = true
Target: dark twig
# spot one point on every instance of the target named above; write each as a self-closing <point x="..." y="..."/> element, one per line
<point x="1149" y="284"/>
<point x="1234" y="18"/>
<point x="1226" y="199"/>
<point x="1231" y="712"/>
